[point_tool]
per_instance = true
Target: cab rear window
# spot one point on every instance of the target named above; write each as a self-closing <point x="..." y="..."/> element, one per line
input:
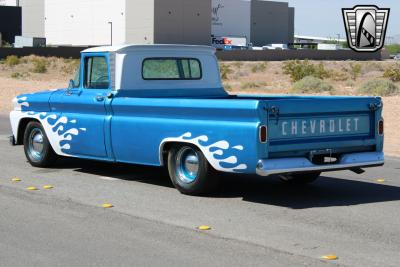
<point x="171" y="69"/>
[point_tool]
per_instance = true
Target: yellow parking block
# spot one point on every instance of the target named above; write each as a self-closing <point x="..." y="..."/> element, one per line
<point x="204" y="227"/>
<point x="107" y="205"/>
<point x="32" y="188"/>
<point x="330" y="257"/>
<point x="15" y="180"/>
<point x="48" y="187"/>
<point x="381" y="180"/>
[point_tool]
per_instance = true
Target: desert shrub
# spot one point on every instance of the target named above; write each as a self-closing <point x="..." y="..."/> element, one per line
<point x="339" y="75"/>
<point x="320" y="71"/>
<point x="259" y="67"/>
<point x="372" y="66"/>
<point x="70" y="60"/>
<point x="238" y="64"/>
<point x="393" y="73"/>
<point x="298" y="70"/>
<point x="241" y="73"/>
<point x="350" y="83"/>
<point x="12" y="60"/>
<point x="310" y="84"/>
<point x="355" y="70"/>
<point x="16" y="75"/>
<point x="225" y="70"/>
<point x="24" y="60"/>
<point x="252" y="85"/>
<point x="70" y="66"/>
<point x="19" y="75"/>
<point x="379" y="88"/>
<point x="39" y="66"/>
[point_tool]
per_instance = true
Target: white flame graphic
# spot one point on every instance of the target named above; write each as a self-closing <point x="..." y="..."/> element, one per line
<point x="60" y="132"/>
<point x="218" y="150"/>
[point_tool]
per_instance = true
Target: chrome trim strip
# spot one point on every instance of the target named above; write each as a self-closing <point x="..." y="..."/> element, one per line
<point x="267" y="167"/>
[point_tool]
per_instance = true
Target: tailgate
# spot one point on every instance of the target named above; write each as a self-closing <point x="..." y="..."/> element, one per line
<point x="339" y="124"/>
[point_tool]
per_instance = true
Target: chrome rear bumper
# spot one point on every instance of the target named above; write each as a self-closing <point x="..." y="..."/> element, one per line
<point x="267" y="167"/>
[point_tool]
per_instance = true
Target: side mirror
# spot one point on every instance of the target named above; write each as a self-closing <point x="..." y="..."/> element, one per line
<point x="71" y="84"/>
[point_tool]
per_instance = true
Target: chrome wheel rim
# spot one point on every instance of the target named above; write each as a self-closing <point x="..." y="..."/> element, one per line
<point x="187" y="165"/>
<point x="36" y="144"/>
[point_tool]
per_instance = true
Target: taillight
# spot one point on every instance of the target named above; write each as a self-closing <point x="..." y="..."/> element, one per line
<point x="263" y="134"/>
<point x="381" y="127"/>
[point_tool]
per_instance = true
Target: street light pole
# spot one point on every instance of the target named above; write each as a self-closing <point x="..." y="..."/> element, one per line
<point x="111" y="25"/>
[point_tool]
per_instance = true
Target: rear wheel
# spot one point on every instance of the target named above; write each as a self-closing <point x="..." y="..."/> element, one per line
<point x="300" y="178"/>
<point x="37" y="147"/>
<point x="190" y="171"/>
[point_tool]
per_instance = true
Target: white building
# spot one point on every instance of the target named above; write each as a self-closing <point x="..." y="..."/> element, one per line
<point x="89" y="22"/>
<point x="83" y="22"/>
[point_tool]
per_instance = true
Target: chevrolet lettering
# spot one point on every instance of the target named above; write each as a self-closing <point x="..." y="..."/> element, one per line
<point x="164" y="105"/>
<point x="324" y="126"/>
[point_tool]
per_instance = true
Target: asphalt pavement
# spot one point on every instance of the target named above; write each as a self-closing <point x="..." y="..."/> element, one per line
<point x="255" y="221"/>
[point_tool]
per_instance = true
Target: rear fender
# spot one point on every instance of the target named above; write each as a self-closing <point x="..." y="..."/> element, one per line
<point x="219" y="154"/>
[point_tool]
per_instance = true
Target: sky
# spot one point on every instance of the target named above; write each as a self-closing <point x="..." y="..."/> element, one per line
<point x="323" y="18"/>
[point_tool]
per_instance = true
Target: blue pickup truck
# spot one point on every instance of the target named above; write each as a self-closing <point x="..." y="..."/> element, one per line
<point x="164" y="105"/>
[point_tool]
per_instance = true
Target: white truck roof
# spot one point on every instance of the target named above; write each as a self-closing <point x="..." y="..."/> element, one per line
<point x="126" y="70"/>
<point x="157" y="47"/>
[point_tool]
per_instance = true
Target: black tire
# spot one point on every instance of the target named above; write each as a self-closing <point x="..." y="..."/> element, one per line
<point x="47" y="156"/>
<point x="300" y="178"/>
<point x="203" y="182"/>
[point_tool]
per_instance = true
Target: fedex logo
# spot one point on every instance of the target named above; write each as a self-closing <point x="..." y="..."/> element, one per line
<point x="221" y="41"/>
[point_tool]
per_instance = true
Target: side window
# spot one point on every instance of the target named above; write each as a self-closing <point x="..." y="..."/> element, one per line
<point x="171" y="69"/>
<point x="96" y="73"/>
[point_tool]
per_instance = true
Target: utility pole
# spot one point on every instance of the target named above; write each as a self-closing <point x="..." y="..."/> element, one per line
<point x="338" y="38"/>
<point x="111" y="25"/>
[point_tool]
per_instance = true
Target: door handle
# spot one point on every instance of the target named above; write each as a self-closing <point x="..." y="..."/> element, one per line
<point x="100" y="98"/>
